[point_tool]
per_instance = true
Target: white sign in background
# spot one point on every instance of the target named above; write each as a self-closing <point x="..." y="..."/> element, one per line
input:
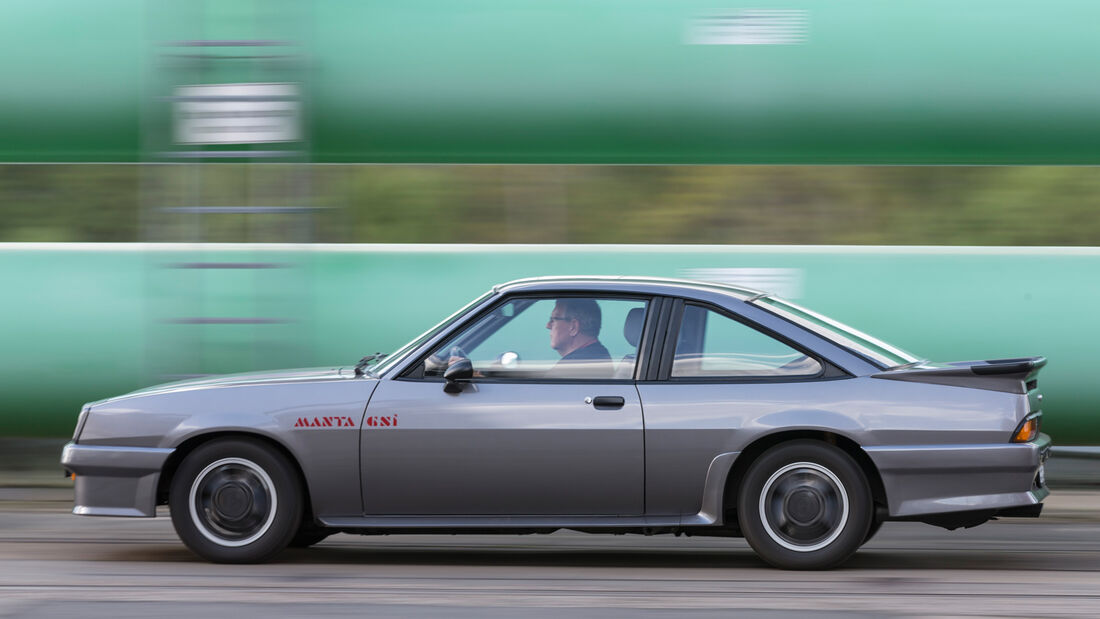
<point x="750" y="27"/>
<point x="237" y="114"/>
<point x="783" y="282"/>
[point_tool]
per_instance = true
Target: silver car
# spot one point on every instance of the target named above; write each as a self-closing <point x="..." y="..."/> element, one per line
<point x="598" y="404"/>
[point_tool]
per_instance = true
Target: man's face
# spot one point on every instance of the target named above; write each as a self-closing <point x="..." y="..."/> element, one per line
<point x="562" y="329"/>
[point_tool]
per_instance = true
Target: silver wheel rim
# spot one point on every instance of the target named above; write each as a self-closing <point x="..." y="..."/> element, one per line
<point x="233" y="502"/>
<point x="803" y="507"/>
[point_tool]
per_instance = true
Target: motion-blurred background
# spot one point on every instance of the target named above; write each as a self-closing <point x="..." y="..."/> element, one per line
<point x="705" y="204"/>
<point x="202" y="187"/>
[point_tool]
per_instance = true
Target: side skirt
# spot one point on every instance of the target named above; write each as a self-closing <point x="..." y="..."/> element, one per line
<point x="416" y="523"/>
<point x="525" y="525"/>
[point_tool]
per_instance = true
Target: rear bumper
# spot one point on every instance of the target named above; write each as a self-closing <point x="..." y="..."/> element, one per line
<point x="942" y="479"/>
<point x="115" y="481"/>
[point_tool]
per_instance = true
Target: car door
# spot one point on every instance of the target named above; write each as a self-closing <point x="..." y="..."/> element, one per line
<point x="723" y="379"/>
<point x="528" y="435"/>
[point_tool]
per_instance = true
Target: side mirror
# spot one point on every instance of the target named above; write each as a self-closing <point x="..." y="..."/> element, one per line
<point x="462" y="369"/>
<point x="434" y="366"/>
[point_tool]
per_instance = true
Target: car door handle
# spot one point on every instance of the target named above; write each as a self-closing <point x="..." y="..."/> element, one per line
<point x="606" y="402"/>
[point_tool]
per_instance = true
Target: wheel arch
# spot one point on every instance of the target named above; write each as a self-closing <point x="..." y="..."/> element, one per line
<point x="168" y="471"/>
<point x="758" y="447"/>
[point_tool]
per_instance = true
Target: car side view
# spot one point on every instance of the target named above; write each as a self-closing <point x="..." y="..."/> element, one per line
<point x="597" y="404"/>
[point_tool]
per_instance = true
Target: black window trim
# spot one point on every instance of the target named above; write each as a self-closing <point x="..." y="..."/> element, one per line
<point x="674" y="315"/>
<point x="656" y="326"/>
<point x="829" y="370"/>
<point x="414" y="371"/>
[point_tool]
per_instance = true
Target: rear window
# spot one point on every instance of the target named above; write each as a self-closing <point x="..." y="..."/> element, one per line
<point x="876" y="350"/>
<point x="711" y="345"/>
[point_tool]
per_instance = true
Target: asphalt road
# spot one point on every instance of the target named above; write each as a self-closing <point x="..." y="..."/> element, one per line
<point x="53" y="564"/>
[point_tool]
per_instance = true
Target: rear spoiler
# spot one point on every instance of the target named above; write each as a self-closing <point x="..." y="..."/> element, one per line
<point x="1008" y="375"/>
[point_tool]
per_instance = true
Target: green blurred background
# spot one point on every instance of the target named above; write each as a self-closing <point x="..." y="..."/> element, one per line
<point x="800" y="205"/>
<point x="372" y="153"/>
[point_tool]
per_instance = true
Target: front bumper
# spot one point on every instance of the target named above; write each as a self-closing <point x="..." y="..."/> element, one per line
<point x="941" y="479"/>
<point x="115" y="481"/>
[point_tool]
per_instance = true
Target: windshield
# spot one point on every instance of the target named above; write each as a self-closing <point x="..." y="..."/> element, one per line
<point x="392" y="359"/>
<point x="874" y="349"/>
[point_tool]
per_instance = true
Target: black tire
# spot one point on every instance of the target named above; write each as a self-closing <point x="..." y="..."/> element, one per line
<point x="876" y="524"/>
<point x="235" y="501"/>
<point x="804" y="505"/>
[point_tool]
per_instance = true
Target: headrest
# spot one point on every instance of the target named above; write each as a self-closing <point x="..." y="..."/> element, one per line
<point x="632" y="327"/>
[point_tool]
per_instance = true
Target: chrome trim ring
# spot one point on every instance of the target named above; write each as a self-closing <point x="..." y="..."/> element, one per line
<point x="803" y="507"/>
<point x="233" y="502"/>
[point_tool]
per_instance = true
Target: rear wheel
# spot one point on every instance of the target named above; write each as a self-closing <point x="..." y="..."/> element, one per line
<point x="804" y="505"/>
<point x="235" y="501"/>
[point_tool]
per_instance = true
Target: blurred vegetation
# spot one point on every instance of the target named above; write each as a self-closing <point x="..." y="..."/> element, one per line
<point x="555" y="204"/>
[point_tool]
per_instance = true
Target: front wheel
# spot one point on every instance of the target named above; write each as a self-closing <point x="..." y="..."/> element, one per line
<point x="804" y="505"/>
<point x="235" y="501"/>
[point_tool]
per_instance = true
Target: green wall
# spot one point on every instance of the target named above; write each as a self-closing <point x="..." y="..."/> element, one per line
<point x="83" y="322"/>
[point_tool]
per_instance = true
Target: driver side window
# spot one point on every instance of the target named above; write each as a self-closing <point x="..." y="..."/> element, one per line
<point x="556" y="338"/>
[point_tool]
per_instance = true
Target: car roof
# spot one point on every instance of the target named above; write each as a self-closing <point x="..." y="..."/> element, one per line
<point x="626" y="283"/>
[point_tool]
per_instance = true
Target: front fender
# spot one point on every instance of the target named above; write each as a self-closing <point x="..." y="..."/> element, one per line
<point x="317" y="423"/>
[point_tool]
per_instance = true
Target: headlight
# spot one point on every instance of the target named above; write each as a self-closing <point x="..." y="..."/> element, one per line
<point x="81" y="420"/>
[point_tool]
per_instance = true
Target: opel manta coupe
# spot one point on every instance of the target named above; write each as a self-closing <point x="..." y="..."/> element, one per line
<point x="597" y="404"/>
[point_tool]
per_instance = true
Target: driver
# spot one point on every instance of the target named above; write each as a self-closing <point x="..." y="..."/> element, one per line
<point x="574" y="326"/>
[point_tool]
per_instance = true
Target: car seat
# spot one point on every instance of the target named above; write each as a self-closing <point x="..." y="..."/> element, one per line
<point x="632" y="331"/>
